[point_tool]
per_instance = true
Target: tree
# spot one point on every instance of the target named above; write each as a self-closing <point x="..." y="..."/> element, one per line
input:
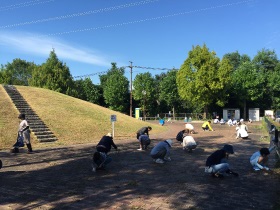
<point x="17" y="73"/>
<point x="265" y="62"/>
<point x="246" y="84"/>
<point x="202" y="79"/>
<point x="88" y="91"/>
<point x="53" y="75"/>
<point x="145" y="91"/>
<point x="236" y="59"/>
<point x="116" y="89"/>
<point x="169" y="91"/>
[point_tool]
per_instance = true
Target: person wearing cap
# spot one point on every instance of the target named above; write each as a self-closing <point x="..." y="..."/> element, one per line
<point x="190" y="127"/>
<point x="100" y="157"/>
<point x="188" y="142"/>
<point x="216" y="163"/>
<point x="143" y="130"/>
<point x="24" y="131"/>
<point x="144" y="141"/>
<point x="260" y="158"/>
<point x="161" y="152"/>
<point x="206" y="126"/>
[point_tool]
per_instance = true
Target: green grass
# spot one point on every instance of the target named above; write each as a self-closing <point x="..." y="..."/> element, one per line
<point x="72" y="120"/>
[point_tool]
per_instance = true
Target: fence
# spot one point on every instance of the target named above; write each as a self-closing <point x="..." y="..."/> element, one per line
<point x="273" y="129"/>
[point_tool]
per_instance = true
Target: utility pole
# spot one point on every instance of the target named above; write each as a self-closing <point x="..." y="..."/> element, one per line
<point x="130" y="89"/>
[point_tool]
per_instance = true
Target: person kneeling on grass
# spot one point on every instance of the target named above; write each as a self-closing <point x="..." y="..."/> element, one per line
<point x="188" y="142"/>
<point x="100" y="157"/>
<point x="216" y="163"/>
<point x="144" y="142"/>
<point x="161" y="152"/>
<point x="260" y="158"/>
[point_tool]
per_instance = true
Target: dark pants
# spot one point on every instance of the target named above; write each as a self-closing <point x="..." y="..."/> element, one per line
<point x="161" y="154"/>
<point x="205" y="128"/>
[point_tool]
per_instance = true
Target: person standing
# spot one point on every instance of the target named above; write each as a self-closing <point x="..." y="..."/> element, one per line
<point x="100" y="157"/>
<point x="143" y="130"/>
<point x="216" y="163"/>
<point x="24" y="131"/>
<point x="161" y="152"/>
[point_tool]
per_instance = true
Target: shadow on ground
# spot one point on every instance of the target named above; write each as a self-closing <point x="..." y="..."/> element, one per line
<point x="61" y="178"/>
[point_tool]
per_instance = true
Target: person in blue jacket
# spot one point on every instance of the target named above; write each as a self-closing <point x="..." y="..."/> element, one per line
<point x="161" y="152"/>
<point x="259" y="159"/>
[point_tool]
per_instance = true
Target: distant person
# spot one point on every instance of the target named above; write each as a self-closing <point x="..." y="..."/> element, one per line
<point x="216" y="163"/>
<point x="143" y="130"/>
<point x="144" y="142"/>
<point x="242" y="131"/>
<point x="216" y="121"/>
<point x="259" y="159"/>
<point x="206" y="126"/>
<point x="229" y="122"/>
<point x="161" y="152"/>
<point x="222" y="122"/>
<point x="100" y="157"/>
<point x="181" y="135"/>
<point x="23" y="135"/>
<point x="188" y="142"/>
<point x="234" y="122"/>
<point x="190" y="127"/>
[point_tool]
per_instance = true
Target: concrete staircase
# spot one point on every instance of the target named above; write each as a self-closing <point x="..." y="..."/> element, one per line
<point x="37" y="126"/>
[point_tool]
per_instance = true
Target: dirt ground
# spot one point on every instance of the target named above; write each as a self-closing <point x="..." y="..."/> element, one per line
<point x="61" y="178"/>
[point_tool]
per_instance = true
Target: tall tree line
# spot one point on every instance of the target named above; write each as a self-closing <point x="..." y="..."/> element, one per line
<point x="204" y="83"/>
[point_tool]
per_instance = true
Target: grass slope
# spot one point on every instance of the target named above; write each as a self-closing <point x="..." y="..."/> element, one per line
<point x="72" y="120"/>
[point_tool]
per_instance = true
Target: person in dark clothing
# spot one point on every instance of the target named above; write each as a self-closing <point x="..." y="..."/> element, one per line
<point x="216" y="163"/>
<point x="100" y="157"/>
<point x="180" y="136"/>
<point x="144" y="130"/>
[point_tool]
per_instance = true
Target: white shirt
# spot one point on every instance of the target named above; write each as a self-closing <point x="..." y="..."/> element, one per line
<point x="216" y="121"/>
<point x="23" y="124"/>
<point x="188" y="141"/>
<point x="189" y="126"/>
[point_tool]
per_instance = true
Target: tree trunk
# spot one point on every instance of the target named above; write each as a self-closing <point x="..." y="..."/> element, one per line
<point x="205" y="112"/>
<point x="244" y="109"/>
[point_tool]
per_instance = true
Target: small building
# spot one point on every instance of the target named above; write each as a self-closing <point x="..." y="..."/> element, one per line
<point x="231" y="113"/>
<point x="254" y="114"/>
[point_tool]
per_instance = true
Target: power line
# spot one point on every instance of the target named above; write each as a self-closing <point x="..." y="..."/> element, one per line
<point x="80" y="14"/>
<point x="24" y="4"/>
<point x="139" y="67"/>
<point x="148" y="19"/>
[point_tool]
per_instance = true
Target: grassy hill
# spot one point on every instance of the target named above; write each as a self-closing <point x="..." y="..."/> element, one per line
<point x="72" y="120"/>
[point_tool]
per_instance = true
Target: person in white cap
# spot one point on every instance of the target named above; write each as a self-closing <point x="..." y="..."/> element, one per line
<point x="190" y="127"/>
<point x="161" y="152"/>
<point x="100" y="157"/>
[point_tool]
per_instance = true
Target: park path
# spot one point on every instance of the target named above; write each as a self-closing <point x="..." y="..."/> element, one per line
<point x="61" y="178"/>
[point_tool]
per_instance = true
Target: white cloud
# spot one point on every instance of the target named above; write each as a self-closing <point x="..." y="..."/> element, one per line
<point x="41" y="46"/>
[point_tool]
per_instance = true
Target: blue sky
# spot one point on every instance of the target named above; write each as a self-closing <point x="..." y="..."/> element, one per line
<point x="88" y="35"/>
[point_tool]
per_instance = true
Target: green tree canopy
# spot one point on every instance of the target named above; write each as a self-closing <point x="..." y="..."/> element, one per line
<point x="116" y="89"/>
<point x="16" y="73"/>
<point x="203" y="78"/>
<point x="145" y="91"/>
<point x="53" y="75"/>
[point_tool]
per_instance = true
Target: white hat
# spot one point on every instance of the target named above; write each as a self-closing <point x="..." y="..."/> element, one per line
<point x="109" y="134"/>
<point x="169" y="141"/>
